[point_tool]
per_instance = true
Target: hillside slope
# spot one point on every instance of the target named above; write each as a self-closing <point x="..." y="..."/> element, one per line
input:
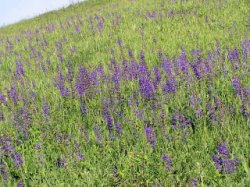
<point x="127" y="93"/>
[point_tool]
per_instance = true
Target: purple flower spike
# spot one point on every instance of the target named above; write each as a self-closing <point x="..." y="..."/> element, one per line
<point x="150" y="134"/>
<point x="168" y="162"/>
<point x="183" y="62"/>
<point x="83" y="82"/>
<point x="17" y="159"/>
<point x="222" y="149"/>
<point x="222" y="161"/>
<point x="146" y="87"/>
<point x="19" y="69"/>
<point x="170" y="86"/>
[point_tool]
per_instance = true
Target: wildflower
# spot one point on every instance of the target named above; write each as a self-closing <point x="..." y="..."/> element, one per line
<point x="150" y="135"/>
<point x="194" y="182"/>
<point x="142" y="56"/>
<point x="244" y="111"/>
<point x="70" y="72"/>
<point x="79" y="151"/>
<point x="20" y="184"/>
<point x="46" y="110"/>
<point x="168" y="162"/>
<point x="17" y="159"/>
<point x="233" y="56"/>
<point x="60" y="84"/>
<point x="178" y="121"/>
<point x="3" y="173"/>
<point x="118" y="127"/>
<point x="19" y="69"/>
<point x="2" y="99"/>
<point x="107" y="116"/>
<point x="116" y="77"/>
<point x="119" y="42"/>
<point x="77" y="29"/>
<point x="170" y="85"/>
<point x="222" y="149"/>
<point x="12" y="93"/>
<point x="146" y="87"/>
<point x="83" y="82"/>
<point x="236" y="85"/>
<point x="157" y="75"/>
<point x="167" y="66"/>
<point x="183" y="62"/>
<point x="222" y="161"/>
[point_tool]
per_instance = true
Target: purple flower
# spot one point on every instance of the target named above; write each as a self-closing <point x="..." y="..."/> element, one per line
<point x="244" y="111"/>
<point x="3" y="173"/>
<point x="170" y="86"/>
<point x="222" y="161"/>
<point x="246" y="49"/>
<point x="94" y="78"/>
<point x="19" y="69"/>
<point x="236" y="85"/>
<point x="142" y="56"/>
<point x="20" y="184"/>
<point x="183" y="62"/>
<point x="17" y="159"/>
<point x="233" y="56"/>
<point x="119" y="42"/>
<point x="178" y="121"/>
<point x="157" y="75"/>
<point x="117" y="76"/>
<point x="83" y="82"/>
<point x="118" y="127"/>
<point x="130" y="54"/>
<point x="79" y="151"/>
<point x="168" y="162"/>
<point x="146" y="87"/>
<point x="46" y="110"/>
<point x="194" y="182"/>
<point x="150" y="135"/>
<point x="167" y="66"/>
<point x="106" y="115"/>
<point x="197" y="71"/>
<point x="77" y="29"/>
<point x="12" y="93"/>
<point x="2" y="98"/>
<point x="222" y="149"/>
<point x="70" y="73"/>
<point x="25" y="115"/>
<point x="60" y="84"/>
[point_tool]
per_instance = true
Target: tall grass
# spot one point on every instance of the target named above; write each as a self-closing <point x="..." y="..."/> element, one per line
<point x="127" y="93"/>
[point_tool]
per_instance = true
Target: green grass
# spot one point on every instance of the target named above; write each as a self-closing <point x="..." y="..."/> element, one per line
<point x="206" y="25"/>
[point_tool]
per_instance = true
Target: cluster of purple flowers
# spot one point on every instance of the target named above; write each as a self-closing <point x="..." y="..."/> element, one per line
<point x="8" y="149"/>
<point x="114" y="99"/>
<point x="168" y="162"/>
<point x="150" y="135"/>
<point x="222" y="160"/>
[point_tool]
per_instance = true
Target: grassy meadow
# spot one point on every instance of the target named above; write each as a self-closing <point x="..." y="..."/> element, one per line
<point x="127" y="93"/>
